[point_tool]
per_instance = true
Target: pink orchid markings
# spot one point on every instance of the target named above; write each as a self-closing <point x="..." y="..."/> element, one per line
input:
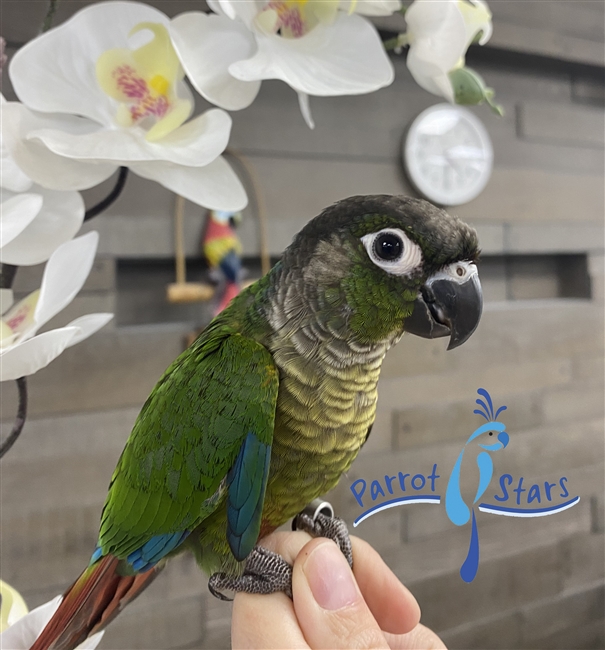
<point x="144" y="81"/>
<point x="295" y="18"/>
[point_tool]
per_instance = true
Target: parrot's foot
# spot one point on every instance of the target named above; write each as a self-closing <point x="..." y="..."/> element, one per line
<point x="318" y="520"/>
<point x="265" y="572"/>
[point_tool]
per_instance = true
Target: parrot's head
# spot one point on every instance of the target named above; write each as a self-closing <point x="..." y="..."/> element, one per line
<point x="379" y="265"/>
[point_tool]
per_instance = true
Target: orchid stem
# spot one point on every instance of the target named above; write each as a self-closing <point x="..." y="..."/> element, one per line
<point x="19" y="419"/>
<point x="50" y="14"/>
<point x="110" y="198"/>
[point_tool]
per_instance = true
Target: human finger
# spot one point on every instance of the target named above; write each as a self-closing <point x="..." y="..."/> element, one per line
<point x="328" y="603"/>
<point x="420" y="638"/>
<point x="391" y="603"/>
<point x="268" y="620"/>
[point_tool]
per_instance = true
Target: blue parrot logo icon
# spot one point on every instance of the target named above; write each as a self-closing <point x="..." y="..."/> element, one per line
<point x="457" y="510"/>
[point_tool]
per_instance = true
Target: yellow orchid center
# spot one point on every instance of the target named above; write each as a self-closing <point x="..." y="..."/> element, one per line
<point x="295" y="18"/>
<point x="18" y="318"/>
<point x="144" y="82"/>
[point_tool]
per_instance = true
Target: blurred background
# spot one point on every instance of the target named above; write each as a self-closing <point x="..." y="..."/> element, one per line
<point x="538" y="349"/>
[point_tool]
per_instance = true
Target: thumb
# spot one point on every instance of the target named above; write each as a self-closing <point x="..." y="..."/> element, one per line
<point x="328" y="603"/>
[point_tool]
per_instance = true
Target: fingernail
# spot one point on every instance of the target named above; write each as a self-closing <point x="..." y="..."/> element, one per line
<point x="330" y="577"/>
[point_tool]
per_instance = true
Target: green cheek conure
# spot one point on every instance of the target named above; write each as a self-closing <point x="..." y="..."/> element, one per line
<point x="272" y="403"/>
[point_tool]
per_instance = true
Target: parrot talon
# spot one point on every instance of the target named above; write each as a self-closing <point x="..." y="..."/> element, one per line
<point x="318" y="520"/>
<point x="265" y="572"/>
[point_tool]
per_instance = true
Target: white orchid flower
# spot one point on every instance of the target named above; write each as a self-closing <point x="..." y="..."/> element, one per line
<point x="35" y="220"/>
<point x="12" y="606"/>
<point x="22" y="352"/>
<point x="439" y="33"/>
<point x="34" y="224"/>
<point x="112" y="73"/>
<point x="318" y="47"/>
<point x="22" y="634"/>
<point x="25" y="161"/>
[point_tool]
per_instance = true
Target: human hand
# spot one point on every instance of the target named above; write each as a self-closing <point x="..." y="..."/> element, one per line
<point x="331" y="606"/>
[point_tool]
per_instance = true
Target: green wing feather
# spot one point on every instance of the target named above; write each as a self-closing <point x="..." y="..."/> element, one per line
<point x="171" y="474"/>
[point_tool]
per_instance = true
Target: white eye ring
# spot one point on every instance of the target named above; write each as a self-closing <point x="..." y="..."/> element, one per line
<point x="409" y="258"/>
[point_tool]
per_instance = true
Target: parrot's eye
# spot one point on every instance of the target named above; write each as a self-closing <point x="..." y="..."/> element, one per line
<point x="393" y="251"/>
<point x="388" y="247"/>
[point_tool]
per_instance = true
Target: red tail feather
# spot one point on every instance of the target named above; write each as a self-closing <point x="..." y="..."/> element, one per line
<point x="94" y="599"/>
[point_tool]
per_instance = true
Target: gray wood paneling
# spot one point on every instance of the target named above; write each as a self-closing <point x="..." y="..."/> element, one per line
<point x="579" y="18"/>
<point x="564" y="124"/>
<point x="526" y="195"/>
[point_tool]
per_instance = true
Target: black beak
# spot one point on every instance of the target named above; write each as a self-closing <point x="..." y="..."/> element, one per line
<point x="447" y="307"/>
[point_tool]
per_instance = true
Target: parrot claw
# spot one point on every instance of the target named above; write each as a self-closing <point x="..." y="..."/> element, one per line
<point x="265" y="572"/>
<point x="318" y="520"/>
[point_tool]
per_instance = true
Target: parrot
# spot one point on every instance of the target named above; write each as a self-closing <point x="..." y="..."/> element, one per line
<point x="455" y="507"/>
<point x="223" y="251"/>
<point x="272" y="402"/>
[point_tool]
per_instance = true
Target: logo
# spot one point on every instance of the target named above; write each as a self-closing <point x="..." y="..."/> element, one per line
<point x="539" y="500"/>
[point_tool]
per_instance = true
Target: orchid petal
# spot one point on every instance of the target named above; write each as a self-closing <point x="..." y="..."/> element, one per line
<point x="429" y="76"/>
<point x="215" y="6"/>
<point x="6" y="300"/>
<point x="7" y="336"/>
<point x="437" y="32"/>
<point x="438" y="40"/>
<point x="207" y="45"/>
<point x="194" y="144"/>
<point x="345" y="58"/>
<point x="244" y="11"/>
<point x="22" y="634"/>
<point x="64" y="275"/>
<point x="40" y="164"/>
<point x="32" y="355"/>
<point x="144" y="82"/>
<point x="12" y="605"/>
<point x="178" y="113"/>
<point x="88" y="325"/>
<point x="26" y="630"/>
<point x="17" y="213"/>
<point x="55" y="72"/>
<point x="305" y="109"/>
<point x="477" y="18"/>
<point x="20" y="318"/>
<point x="157" y="57"/>
<point x="12" y="177"/>
<point x="214" y="186"/>
<point x="58" y="221"/>
<point x="371" y="7"/>
<point x="325" y="10"/>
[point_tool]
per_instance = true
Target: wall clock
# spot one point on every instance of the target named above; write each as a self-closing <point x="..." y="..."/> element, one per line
<point x="448" y="155"/>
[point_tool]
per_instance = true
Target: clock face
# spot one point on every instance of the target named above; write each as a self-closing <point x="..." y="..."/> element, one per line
<point x="448" y="154"/>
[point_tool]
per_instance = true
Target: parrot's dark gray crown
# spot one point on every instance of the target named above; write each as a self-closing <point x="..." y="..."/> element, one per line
<point x="411" y="250"/>
<point x="443" y="238"/>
